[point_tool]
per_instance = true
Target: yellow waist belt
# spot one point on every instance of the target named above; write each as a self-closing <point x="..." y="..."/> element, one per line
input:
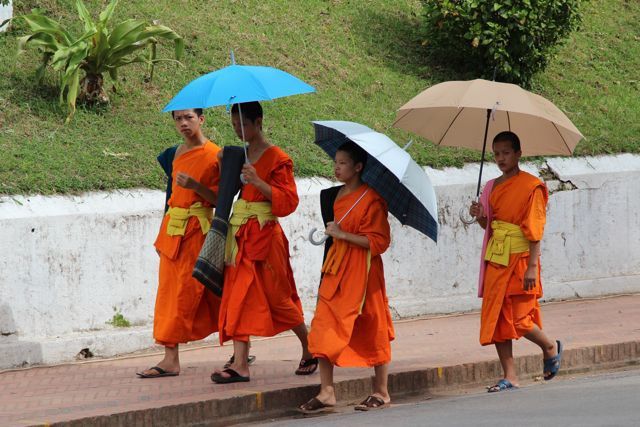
<point x="242" y="212"/>
<point x="179" y="217"/>
<point x="507" y="239"/>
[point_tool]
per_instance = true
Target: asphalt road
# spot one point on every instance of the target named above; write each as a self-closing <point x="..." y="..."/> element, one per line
<point x="611" y="399"/>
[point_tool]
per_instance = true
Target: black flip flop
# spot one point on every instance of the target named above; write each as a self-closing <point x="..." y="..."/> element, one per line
<point x="372" y="403"/>
<point x="305" y="363"/>
<point x="232" y="359"/>
<point x="315" y="406"/>
<point x="160" y="373"/>
<point x="233" y="377"/>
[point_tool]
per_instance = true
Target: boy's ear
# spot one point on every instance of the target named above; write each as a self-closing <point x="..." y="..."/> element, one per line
<point x="201" y="119"/>
<point x="259" y="122"/>
<point x="358" y="167"/>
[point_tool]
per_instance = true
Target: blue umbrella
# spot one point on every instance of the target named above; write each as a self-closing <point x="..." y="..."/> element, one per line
<point x="236" y="84"/>
<point x="390" y="171"/>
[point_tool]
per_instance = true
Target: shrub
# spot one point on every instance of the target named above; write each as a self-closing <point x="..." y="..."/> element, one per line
<point x="513" y="37"/>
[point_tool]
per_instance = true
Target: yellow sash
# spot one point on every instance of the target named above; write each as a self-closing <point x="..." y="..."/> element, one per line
<point x="507" y="239"/>
<point x="242" y="212"/>
<point x="179" y="217"/>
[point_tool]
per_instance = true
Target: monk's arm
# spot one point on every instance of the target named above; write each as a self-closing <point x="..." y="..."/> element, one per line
<point x="336" y="232"/>
<point x="482" y="222"/>
<point x="531" y="274"/>
<point x="186" y="181"/>
<point x="251" y="177"/>
<point x="263" y="188"/>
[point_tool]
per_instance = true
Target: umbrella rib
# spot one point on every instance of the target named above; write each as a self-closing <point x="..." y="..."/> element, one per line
<point x="508" y="121"/>
<point x="406" y="113"/>
<point x="563" y="140"/>
<point x="450" y="124"/>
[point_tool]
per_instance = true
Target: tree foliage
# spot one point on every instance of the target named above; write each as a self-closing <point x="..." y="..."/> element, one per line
<point x="513" y="37"/>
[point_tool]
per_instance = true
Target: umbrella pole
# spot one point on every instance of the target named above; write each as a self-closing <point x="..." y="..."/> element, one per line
<point x="484" y="149"/>
<point x="463" y="212"/>
<point x="244" y="144"/>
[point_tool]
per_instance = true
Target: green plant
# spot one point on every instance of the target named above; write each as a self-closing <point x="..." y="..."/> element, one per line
<point x="513" y="37"/>
<point x="119" y="321"/>
<point x="100" y="49"/>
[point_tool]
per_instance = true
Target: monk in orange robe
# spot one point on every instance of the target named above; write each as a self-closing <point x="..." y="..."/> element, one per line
<point x="352" y="324"/>
<point x="259" y="296"/>
<point x="185" y="311"/>
<point x="514" y="215"/>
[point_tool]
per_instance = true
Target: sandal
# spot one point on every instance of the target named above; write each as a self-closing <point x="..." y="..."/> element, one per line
<point x="315" y="406"/>
<point x="551" y="366"/>
<point x="305" y="363"/>
<point x="233" y="377"/>
<point x="160" y="373"/>
<point x="232" y="359"/>
<point x="371" y="403"/>
<point x="502" y="385"/>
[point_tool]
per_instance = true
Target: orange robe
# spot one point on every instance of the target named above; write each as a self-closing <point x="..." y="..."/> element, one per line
<point x="508" y="311"/>
<point x="352" y="324"/>
<point x="185" y="311"/>
<point x="259" y="296"/>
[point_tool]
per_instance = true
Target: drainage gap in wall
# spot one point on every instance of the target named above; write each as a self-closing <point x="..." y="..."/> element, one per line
<point x="85" y="353"/>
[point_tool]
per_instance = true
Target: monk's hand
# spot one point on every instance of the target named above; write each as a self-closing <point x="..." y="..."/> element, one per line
<point x="250" y="175"/>
<point x="476" y="210"/>
<point x="333" y="230"/>
<point x="530" y="277"/>
<point x="186" y="181"/>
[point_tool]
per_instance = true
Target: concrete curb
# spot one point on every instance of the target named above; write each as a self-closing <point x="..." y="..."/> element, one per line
<point x="279" y="403"/>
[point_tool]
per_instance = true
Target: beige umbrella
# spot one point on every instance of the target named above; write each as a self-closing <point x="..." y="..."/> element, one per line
<point x="468" y="113"/>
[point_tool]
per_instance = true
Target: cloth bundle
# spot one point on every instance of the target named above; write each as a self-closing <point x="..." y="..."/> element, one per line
<point x="209" y="268"/>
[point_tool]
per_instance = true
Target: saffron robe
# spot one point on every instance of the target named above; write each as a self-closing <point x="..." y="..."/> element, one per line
<point x="508" y="311"/>
<point x="185" y="311"/>
<point x="259" y="296"/>
<point x="352" y="323"/>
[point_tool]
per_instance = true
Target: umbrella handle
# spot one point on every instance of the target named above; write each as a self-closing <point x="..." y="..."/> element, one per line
<point x="464" y="217"/>
<point x="313" y="240"/>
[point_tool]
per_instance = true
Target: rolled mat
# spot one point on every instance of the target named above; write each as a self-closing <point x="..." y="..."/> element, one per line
<point x="209" y="268"/>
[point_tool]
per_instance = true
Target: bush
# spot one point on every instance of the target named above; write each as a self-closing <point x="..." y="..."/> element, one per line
<point x="514" y="37"/>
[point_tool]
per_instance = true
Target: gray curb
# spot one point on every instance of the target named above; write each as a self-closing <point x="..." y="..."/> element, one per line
<point x="279" y="403"/>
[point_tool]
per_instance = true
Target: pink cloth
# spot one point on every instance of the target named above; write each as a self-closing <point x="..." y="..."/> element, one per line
<point x="484" y="199"/>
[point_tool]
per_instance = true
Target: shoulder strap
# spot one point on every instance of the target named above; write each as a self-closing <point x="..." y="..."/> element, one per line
<point x="327" y="199"/>
<point x="166" y="162"/>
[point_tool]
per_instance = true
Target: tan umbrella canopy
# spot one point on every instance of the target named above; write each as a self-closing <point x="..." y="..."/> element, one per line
<point x="470" y="113"/>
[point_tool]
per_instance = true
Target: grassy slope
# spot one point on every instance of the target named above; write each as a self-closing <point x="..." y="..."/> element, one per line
<point x="364" y="57"/>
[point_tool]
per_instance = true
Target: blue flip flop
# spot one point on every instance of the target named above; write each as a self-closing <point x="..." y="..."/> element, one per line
<point x="503" y="384"/>
<point x="552" y="364"/>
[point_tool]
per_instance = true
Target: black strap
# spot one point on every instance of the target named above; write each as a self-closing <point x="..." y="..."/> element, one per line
<point x="327" y="199"/>
<point x="166" y="162"/>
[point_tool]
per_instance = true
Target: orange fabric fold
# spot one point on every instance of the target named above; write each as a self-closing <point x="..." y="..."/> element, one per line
<point x="260" y="296"/>
<point x="352" y="323"/>
<point x="508" y="311"/>
<point x="184" y="310"/>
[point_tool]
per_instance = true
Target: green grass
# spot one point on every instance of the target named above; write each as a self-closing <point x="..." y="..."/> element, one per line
<point x="364" y="57"/>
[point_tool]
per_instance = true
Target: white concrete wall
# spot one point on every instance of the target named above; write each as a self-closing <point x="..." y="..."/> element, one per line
<point x="6" y="12"/>
<point x="67" y="264"/>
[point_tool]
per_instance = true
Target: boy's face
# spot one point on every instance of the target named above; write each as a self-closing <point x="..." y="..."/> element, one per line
<point x="251" y="129"/>
<point x="344" y="167"/>
<point x="188" y="123"/>
<point x="506" y="157"/>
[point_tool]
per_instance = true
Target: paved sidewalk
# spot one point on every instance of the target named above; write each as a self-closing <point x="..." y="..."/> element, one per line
<point x="427" y="354"/>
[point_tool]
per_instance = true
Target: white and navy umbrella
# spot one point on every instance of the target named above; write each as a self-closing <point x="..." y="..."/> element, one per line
<point x="390" y="171"/>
